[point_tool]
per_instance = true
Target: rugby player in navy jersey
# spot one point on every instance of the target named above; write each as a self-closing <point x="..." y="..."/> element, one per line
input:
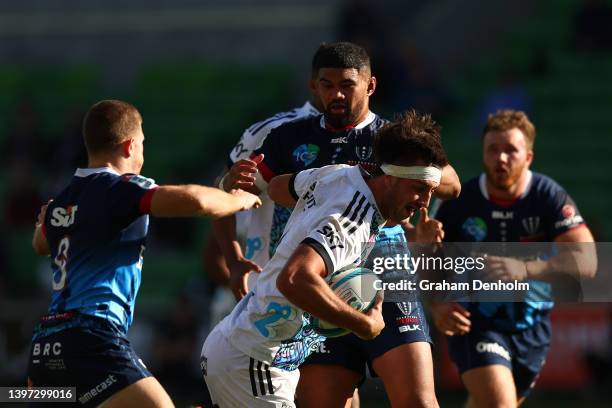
<point x="94" y="231"/>
<point x="342" y="78"/>
<point x="499" y="348"/>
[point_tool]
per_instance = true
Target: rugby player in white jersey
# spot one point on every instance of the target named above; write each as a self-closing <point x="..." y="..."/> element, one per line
<point x="250" y="359"/>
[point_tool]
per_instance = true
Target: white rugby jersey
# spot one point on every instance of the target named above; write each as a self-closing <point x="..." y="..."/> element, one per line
<point x="257" y="243"/>
<point x="337" y="215"/>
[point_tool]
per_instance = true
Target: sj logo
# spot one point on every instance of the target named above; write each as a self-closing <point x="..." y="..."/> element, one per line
<point x="63" y="217"/>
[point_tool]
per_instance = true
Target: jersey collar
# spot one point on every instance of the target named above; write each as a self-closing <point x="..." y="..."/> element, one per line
<point x="482" y="183"/>
<point x="369" y="119"/>
<point x="89" y="171"/>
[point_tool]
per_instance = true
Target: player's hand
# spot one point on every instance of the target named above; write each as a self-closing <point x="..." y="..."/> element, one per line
<point x="239" y="274"/>
<point x="506" y="269"/>
<point x="428" y="230"/>
<point x="376" y="321"/>
<point x="242" y="174"/>
<point x="42" y="213"/>
<point x="452" y="319"/>
<point x="248" y="200"/>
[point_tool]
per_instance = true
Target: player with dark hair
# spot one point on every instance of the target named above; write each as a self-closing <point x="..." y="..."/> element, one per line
<point x="342" y="78"/>
<point x="500" y="347"/>
<point x="252" y="357"/>
<point x="95" y="230"/>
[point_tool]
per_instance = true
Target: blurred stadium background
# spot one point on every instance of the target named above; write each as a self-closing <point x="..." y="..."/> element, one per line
<point x="202" y="71"/>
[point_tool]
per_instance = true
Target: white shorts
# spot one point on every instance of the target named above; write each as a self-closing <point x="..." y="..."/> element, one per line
<point x="236" y="380"/>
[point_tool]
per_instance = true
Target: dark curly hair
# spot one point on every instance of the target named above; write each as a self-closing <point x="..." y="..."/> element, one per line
<point x="411" y="138"/>
<point x="340" y="55"/>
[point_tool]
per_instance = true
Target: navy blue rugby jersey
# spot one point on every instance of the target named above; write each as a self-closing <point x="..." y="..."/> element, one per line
<point x="96" y="229"/>
<point x="542" y="213"/>
<point x="307" y="143"/>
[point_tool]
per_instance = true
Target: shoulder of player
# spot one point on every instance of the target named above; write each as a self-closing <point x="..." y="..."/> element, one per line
<point x="294" y="131"/>
<point x="139" y="180"/>
<point x="264" y="127"/>
<point x="545" y="186"/>
<point x="298" y="123"/>
<point x="341" y="191"/>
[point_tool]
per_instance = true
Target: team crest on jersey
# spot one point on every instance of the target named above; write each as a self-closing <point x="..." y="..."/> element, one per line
<point x="305" y="154"/>
<point x="363" y="153"/>
<point x="531" y="225"/>
<point x="475" y="227"/>
<point x="404" y="307"/>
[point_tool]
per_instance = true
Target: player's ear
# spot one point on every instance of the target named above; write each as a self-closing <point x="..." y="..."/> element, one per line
<point x="530" y="155"/>
<point x="126" y="147"/>
<point x="312" y="85"/>
<point x="371" y="85"/>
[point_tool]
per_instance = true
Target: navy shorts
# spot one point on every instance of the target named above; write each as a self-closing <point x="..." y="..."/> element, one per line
<point x="85" y="352"/>
<point x="523" y="352"/>
<point x="404" y="323"/>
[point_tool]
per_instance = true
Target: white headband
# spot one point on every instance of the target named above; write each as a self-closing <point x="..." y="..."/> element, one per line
<point x="428" y="173"/>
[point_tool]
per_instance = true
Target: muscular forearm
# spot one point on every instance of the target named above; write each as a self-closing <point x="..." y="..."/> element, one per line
<point x="194" y="200"/>
<point x="450" y="185"/>
<point x="579" y="261"/>
<point x="313" y="295"/>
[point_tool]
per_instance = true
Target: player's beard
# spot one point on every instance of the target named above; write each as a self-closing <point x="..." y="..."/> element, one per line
<point x="504" y="180"/>
<point x="349" y="117"/>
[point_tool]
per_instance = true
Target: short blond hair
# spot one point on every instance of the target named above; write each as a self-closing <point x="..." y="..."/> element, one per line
<point x="507" y="119"/>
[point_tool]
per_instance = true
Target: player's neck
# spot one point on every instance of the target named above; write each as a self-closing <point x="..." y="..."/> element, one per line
<point x="511" y="193"/>
<point x="118" y="166"/>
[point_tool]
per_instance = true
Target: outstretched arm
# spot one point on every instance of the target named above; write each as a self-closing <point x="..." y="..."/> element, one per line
<point x="195" y="200"/>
